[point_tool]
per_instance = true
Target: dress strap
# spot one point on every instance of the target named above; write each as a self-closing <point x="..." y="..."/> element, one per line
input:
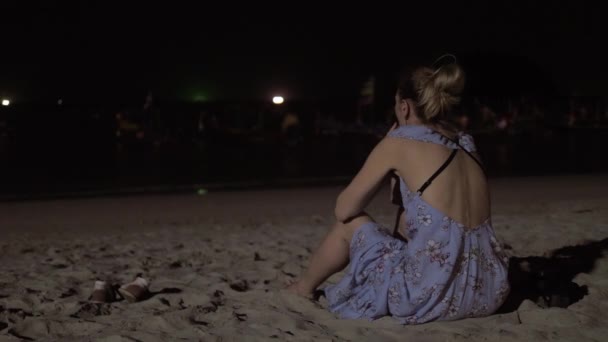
<point x="455" y="141"/>
<point x="438" y="172"/>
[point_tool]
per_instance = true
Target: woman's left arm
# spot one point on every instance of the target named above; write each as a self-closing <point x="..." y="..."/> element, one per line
<point x="366" y="183"/>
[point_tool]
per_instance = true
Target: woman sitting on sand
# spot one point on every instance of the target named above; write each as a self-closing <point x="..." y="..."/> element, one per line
<point x="442" y="262"/>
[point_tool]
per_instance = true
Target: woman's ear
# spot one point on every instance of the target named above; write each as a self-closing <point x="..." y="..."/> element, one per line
<point x="405" y="109"/>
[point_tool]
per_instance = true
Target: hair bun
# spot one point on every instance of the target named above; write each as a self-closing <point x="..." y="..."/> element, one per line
<point x="438" y="90"/>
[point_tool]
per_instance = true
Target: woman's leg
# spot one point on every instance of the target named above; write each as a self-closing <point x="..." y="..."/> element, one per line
<point x="331" y="256"/>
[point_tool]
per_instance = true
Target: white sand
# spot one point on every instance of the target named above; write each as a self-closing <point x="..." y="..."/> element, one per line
<point x="216" y="262"/>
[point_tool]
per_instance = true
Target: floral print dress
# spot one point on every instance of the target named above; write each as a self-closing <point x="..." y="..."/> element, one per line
<point x="445" y="271"/>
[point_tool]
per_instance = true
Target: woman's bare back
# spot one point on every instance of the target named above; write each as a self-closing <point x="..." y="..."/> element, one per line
<point x="460" y="191"/>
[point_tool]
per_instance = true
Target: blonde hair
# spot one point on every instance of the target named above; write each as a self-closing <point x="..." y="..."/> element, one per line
<point x="436" y="91"/>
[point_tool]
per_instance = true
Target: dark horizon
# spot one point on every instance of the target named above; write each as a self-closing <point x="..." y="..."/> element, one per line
<point x="87" y="53"/>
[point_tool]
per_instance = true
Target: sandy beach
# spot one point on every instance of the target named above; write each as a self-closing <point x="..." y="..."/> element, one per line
<point x="217" y="264"/>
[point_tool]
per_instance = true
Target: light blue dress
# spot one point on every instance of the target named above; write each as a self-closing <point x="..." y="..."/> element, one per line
<point x="445" y="271"/>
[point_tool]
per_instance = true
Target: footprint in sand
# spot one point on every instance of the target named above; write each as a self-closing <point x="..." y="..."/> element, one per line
<point x="240" y="286"/>
<point x="90" y="310"/>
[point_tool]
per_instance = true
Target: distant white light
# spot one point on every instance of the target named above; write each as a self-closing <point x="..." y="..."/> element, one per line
<point x="60" y="102"/>
<point x="6" y="102"/>
<point x="278" y="99"/>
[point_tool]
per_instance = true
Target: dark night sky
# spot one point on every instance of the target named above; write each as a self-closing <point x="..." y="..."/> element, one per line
<point x="181" y="51"/>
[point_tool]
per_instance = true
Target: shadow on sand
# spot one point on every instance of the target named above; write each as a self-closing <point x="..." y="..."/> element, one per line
<point x="547" y="281"/>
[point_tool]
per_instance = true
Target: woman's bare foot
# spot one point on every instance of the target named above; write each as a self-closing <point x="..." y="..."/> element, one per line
<point x="296" y="288"/>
